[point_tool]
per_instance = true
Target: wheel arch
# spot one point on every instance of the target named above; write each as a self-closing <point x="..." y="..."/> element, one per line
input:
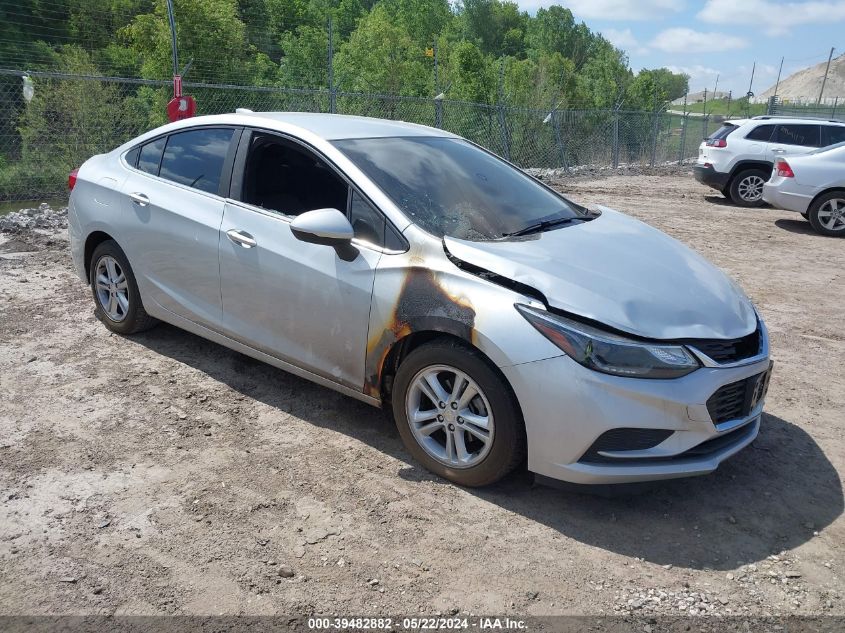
<point x="94" y="239"/>
<point x="745" y="165"/>
<point x="401" y="348"/>
<point x="824" y="193"/>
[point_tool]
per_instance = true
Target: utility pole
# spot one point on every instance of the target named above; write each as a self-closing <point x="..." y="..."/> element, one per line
<point x="332" y="92"/>
<point x="824" y="81"/>
<point x="750" y="92"/>
<point x="777" y="83"/>
<point x="172" y="19"/>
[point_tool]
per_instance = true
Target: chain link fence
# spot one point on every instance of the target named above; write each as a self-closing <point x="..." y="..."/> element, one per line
<point x="70" y="118"/>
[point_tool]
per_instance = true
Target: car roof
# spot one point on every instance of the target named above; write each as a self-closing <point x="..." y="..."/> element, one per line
<point x="330" y="127"/>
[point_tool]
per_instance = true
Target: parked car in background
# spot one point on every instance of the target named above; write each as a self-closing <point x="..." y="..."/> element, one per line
<point x="409" y="268"/>
<point x="737" y="159"/>
<point x="812" y="185"/>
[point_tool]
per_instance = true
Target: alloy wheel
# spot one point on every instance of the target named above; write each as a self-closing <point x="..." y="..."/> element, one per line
<point x="831" y="215"/>
<point x="449" y="416"/>
<point x="112" y="288"/>
<point x="751" y="188"/>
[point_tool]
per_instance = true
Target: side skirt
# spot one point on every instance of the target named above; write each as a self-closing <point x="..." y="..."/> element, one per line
<point x="206" y="333"/>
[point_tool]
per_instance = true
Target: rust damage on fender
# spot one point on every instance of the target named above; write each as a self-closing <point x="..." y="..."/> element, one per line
<point x="423" y="305"/>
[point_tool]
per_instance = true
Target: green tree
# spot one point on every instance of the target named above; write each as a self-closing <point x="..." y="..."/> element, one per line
<point x="381" y="57"/>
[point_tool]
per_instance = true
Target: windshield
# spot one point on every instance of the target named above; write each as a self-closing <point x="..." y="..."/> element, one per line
<point x="448" y="186"/>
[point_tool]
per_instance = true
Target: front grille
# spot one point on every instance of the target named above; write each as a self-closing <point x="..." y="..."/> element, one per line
<point x="737" y="399"/>
<point x="623" y="440"/>
<point x="731" y="350"/>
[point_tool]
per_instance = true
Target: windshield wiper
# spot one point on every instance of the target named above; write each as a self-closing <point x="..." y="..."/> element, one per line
<point x="542" y="225"/>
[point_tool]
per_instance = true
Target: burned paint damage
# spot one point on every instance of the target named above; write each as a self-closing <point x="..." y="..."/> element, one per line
<point x="423" y="304"/>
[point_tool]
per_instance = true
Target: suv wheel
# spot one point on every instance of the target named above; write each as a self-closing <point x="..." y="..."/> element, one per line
<point x="457" y="415"/>
<point x="747" y="188"/>
<point x="116" y="298"/>
<point x="827" y="214"/>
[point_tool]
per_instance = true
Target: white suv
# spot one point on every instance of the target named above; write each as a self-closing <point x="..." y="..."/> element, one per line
<point x="738" y="158"/>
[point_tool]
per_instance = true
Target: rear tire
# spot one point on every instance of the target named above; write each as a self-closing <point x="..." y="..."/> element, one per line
<point x="827" y="214"/>
<point x="117" y="302"/>
<point x="746" y="188"/>
<point x="485" y="431"/>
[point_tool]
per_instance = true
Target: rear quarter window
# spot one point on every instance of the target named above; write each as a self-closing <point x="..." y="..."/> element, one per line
<point x="149" y="158"/>
<point x="761" y="133"/>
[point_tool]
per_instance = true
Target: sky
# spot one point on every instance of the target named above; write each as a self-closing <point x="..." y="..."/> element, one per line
<point x="706" y="38"/>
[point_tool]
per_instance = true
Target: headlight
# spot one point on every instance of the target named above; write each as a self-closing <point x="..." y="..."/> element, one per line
<point x="610" y="353"/>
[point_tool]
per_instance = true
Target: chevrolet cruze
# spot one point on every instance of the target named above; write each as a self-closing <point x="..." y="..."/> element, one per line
<point x="404" y="266"/>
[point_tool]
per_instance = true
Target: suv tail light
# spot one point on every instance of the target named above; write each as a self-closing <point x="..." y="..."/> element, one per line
<point x="716" y="142"/>
<point x="71" y="179"/>
<point x="783" y="169"/>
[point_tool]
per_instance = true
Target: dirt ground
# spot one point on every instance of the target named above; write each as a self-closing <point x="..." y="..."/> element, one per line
<point x="163" y="474"/>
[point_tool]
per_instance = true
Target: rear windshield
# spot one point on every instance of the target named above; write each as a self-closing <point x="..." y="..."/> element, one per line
<point x="722" y="132"/>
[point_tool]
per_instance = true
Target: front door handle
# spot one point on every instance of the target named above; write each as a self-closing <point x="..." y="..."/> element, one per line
<point x="779" y="150"/>
<point x="139" y="198"/>
<point x="239" y="237"/>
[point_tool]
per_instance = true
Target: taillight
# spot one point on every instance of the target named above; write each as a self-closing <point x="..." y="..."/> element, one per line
<point x="716" y="142"/>
<point x="71" y="179"/>
<point x="783" y="169"/>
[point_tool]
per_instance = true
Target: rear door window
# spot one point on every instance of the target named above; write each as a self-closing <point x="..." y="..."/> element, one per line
<point x="798" y="134"/>
<point x="195" y="158"/>
<point x="761" y="133"/>
<point x="832" y="134"/>
<point x="150" y="156"/>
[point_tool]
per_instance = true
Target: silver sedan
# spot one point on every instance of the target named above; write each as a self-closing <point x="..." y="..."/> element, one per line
<point x="501" y="323"/>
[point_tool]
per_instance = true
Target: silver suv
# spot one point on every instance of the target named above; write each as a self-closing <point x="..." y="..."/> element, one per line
<point x="738" y="158"/>
<point x="411" y="269"/>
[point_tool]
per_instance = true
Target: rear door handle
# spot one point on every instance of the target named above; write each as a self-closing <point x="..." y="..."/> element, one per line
<point x="779" y="150"/>
<point x="239" y="237"/>
<point x="139" y="198"/>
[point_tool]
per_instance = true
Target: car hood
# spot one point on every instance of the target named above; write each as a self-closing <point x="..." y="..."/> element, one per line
<point x="621" y="272"/>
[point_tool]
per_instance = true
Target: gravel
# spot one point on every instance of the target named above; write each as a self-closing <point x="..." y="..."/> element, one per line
<point x="41" y="217"/>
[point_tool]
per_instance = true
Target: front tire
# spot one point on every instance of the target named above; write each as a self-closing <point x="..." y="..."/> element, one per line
<point x="747" y="188"/>
<point x="117" y="302"/>
<point x="827" y="214"/>
<point x="457" y="415"/>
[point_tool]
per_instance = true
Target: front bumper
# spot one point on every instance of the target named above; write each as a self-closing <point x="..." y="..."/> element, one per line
<point x="567" y="408"/>
<point x="706" y="175"/>
<point x="781" y="198"/>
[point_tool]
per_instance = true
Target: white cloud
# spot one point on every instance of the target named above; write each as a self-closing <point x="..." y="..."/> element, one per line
<point x="699" y="76"/>
<point x="620" y="39"/>
<point x="773" y="16"/>
<point x="612" y="9"/>
<point x="683" y="40"/>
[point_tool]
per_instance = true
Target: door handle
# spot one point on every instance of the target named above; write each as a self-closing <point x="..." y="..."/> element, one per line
<point x="139" y="198"/>
<point x="778" y="150"/>
<point x="244" y="239"/>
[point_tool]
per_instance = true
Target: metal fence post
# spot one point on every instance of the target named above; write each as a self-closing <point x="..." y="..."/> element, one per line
<point x="682" y="155"/>
<point x="332" y="89"/>
<point x="616" y="136"/>
<point x="559" y="140"/>
<point x="835" y="103"/>
<point x="654" y="133"/>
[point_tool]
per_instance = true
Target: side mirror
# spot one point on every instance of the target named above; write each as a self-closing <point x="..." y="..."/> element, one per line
<point x="323" y="226"/>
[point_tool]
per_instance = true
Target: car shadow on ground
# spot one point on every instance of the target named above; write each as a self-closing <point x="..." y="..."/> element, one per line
<point x="773" y="496"/>
<point x="721" y="201"/>
<point x="802" y="226"/>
